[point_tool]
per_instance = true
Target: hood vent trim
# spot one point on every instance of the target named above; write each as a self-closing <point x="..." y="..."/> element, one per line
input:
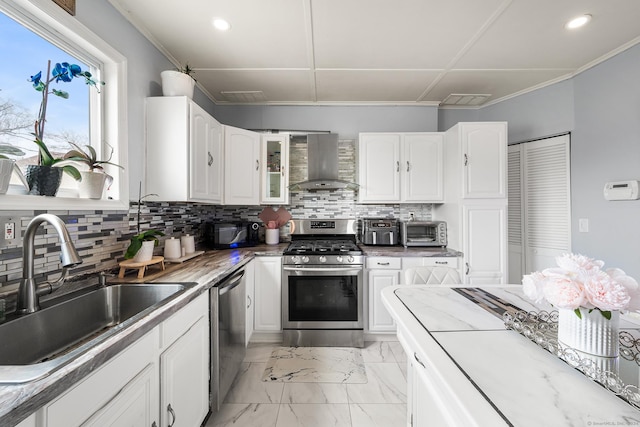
<point x="322" y="162"/>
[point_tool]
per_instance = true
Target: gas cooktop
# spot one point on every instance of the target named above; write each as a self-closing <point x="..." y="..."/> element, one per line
<point x="327" y="247"/>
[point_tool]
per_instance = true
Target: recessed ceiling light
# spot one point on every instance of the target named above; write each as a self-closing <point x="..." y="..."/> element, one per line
<point x="221" y="24"/>
<point x="578" y="22"/>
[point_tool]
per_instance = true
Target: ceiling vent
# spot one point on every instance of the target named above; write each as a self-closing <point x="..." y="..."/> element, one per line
<point x="466" y="99"/>
<point x="244" y="96"/>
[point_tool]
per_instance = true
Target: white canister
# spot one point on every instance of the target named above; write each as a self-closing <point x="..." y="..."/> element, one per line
<point x="172" y="248"/>
<point x="272" y="236"/>
<point x="188" y="243"/>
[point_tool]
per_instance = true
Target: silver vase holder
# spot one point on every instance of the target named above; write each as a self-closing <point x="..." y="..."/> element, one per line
<point x="542" y="328"/>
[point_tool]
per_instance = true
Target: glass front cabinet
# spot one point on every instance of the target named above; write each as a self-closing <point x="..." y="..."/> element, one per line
<point x="275" y="176"/>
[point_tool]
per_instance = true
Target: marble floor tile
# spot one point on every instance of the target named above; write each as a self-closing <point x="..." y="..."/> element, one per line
<point x="248" y="386"/>
<point x="245" y="415"/>
<point x="386" y="385"/>
<point x="378" y="352"/>
<point x="403" y="369"/>
<point x="314" y="415"/>
<point x="398" y="352"/>
<point x="259" y="352"/>
<point x="314" y="393"/>
<point x="378" y="415"/>
<point x="316" y="364"/>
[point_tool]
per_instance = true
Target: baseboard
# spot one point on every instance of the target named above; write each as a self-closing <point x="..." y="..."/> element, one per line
<point x="266" y="337"/>
<point x="380" y="336"/>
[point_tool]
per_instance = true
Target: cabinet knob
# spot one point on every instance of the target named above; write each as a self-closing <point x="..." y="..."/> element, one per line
<point x="210" y="161"/>
<point x="248" y="301"/>
<point x="173" y="415"/>
<point x="398" y="166"/>
<point x="466" y="159"/>
<point x="257" y="164"/>
<point x="408" y="166"/>
<point x="467" y="268"/>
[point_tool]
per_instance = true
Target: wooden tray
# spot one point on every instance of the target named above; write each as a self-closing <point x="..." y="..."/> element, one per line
<point x="184" y="258"/>
<point x="140" y="266"/>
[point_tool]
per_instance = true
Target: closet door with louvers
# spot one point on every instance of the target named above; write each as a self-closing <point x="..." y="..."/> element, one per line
<point x="515" y="230"/>
<point x="546" y="195"/>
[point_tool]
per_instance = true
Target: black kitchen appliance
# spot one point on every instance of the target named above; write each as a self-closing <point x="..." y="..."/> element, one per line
<point x="227" y="235"/>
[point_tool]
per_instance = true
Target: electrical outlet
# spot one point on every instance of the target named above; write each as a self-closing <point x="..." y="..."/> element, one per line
<point x="8" y="231"/>
<point x="583" y="225"/>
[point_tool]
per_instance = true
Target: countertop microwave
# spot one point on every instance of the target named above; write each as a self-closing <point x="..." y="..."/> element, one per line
<point x="234" y="234"/>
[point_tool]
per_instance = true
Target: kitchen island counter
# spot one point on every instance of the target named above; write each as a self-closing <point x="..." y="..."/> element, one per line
<point x="484" y="374"/>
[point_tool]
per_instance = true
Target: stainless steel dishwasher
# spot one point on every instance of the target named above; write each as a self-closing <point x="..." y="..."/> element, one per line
<point x="228" y="346"/>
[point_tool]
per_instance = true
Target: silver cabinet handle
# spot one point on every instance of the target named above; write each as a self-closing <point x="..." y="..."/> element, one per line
<point x="257" y="164"/>
<point x="467" y="270"/>
<point x="415" y="356"/>
<point x="466" y="159"/>
<point x="210" y="162"/>
<point x="408" y="166"/>
<point x="398" y="166"/>
<point x="248" y="301"/>
<point x="383" y="263"/>
<point x="173" y="415"/>
<point x="442" y="262"/>
<point x="282" y="170"/>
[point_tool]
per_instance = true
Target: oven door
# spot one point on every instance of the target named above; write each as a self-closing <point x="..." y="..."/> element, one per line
<point x="322" y="297"/>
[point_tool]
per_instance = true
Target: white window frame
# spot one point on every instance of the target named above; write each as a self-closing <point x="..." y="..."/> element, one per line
<point x="46" y="18"/>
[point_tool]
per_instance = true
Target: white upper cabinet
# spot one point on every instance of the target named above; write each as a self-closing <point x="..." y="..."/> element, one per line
<point x="242" y="167"/>
<point x="484" y="152"/>
<point x="275" y="169"/>
<point x="400" y="167"/>
<point x="183" y="151"/>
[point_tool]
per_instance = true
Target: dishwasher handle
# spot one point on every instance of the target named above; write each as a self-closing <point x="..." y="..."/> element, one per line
<point x="230" y="283"/>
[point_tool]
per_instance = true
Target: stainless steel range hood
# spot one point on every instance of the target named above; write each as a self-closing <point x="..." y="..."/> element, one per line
<point x="322" y="161"/>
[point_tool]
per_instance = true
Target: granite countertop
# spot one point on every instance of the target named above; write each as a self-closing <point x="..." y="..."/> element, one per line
<point x="17" y="401"/>
<point x="525" y="384"/>
<point x="401" y="251"/>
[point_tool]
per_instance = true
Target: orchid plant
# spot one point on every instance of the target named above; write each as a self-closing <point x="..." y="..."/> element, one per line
<point x="580" y="281"/>
<point x="62" y="72"/>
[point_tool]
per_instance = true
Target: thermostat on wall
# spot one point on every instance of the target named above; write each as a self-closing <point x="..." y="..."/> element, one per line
<point x="621" y="190"/>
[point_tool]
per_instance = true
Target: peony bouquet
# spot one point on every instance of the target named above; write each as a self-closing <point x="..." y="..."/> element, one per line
<point x="580" y="281"/>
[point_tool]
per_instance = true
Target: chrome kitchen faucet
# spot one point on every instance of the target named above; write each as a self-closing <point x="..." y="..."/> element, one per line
<point x="28" y="293"/>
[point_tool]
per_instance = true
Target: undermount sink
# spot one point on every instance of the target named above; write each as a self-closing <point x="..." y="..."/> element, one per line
<point x="37" y="344"/>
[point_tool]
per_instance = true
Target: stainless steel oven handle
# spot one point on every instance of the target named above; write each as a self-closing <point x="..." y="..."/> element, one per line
<point x="230" y="283"/>
<point x="312" y="269"/>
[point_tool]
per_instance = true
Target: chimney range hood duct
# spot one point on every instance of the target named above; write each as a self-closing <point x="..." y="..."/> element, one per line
<point x="322" y="160"/>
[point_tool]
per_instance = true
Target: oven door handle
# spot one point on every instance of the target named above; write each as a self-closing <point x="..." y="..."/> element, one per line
<point x="329" y="269"/>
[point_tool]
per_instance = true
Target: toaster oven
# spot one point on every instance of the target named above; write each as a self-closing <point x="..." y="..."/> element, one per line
<point x="424" y="233"/>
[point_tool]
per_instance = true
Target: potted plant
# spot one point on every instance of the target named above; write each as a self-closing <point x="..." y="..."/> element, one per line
<point x="178" y="82"/>
<point x="44" y="178"/>
<point x="142" y="244"/>
<point x="93" y="180"/>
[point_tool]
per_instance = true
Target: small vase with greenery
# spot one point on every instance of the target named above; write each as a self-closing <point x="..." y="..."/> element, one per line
<point x="178" y="82"/>
<point x="93" y="179"/>
<point x="137" y="243"/>
<point x="44" y="178"/>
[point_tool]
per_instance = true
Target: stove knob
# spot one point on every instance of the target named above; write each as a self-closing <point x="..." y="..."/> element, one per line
<point x="305" y="259"/>
<point x="338" y="258"/>
<point x="350" y="258"/>
<point x="322" y="259"/>
<point x="295" y="259"/>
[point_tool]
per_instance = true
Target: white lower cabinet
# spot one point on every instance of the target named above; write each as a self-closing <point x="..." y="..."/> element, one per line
<point x="382" y="272"/>
<point x="249" y="277"/>
<point x="167" y="366"/>
<point x="268" y="297"/>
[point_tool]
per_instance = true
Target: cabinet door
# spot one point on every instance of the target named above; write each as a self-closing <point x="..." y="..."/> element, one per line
<point x="485" y="245"/>
<point x="184" y="378"/>
<point x="426" y="405"/>
<point x="422" y="167"/>
<point x="379" y="167"/>
<point x="206" y="162"/>
<point x="484" y="148"/>
<point x="242" y="167"/>
<point x="275" y="169"/>
<point x="133" y="406"/>
<point x="268" y="298"/>
<point x="249" y="278"/>
<point x="379" y="318"/>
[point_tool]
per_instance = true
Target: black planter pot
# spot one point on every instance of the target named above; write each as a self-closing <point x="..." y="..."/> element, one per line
<point x="43" y="180"/>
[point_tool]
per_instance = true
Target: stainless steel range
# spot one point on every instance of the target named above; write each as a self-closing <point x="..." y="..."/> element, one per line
<point x="322" y="285"/>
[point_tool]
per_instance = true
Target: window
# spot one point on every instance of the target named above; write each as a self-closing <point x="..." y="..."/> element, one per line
<point x="31" y="34"/>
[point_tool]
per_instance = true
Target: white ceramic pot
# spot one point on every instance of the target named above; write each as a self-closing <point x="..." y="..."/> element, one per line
<point x="592" y="334"/>
<point x="175" y="83"/>
<point x="6" y="169"/>
<point x="145" y="253"/>
<point x="272" y="236"/>
<point x="188" y="244"/>
<point x="92" y="185"/>
<point x="172" y="248"/>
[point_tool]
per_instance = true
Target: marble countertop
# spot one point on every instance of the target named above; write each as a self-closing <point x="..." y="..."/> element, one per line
<point x="17" y="401"/>
<point x="525" y="384"/>
<point x="401" y="251"/>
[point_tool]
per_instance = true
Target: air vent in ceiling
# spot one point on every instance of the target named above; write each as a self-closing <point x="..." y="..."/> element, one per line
<point x="244" y="96"/>
<point x="468" y="99"/>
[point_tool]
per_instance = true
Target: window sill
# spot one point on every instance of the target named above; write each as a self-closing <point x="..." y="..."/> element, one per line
<point x="26" y="202"/>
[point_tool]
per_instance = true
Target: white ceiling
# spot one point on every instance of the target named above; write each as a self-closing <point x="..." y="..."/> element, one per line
<point x="383" y="51"/>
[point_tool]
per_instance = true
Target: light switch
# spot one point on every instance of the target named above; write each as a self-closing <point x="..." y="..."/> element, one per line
<point x="583" y="225"/>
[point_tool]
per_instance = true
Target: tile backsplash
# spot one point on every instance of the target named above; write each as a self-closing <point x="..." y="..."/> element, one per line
<point x="101" y="237"/>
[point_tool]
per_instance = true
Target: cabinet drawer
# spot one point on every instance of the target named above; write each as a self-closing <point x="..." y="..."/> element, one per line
<point x="391" y="263"/>
<point x="441" y="262"/>
<point x="174" y="327"/>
